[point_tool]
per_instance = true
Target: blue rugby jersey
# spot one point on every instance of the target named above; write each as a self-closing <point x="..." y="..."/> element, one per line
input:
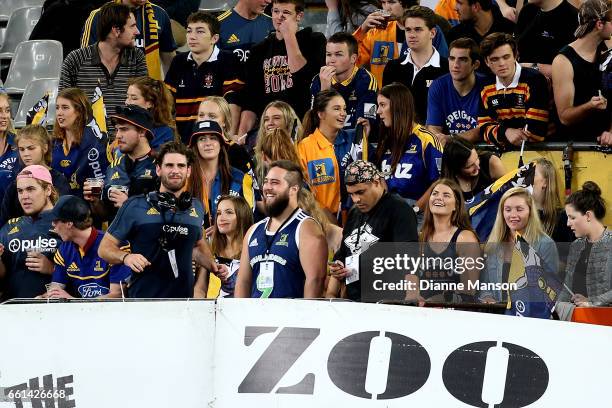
<point x="142" y="225"/>
<point x="359" y="93"/>
<point x="83" y="161"/>
<point x="19" y="236"/>
<point x="8" y="162"/>
<point x="419" y="165"/>
<point x="83" y="272"/>
<point x="239" y="34"/>
<point x="284" y="252"/>
<point x="139" y="175"/>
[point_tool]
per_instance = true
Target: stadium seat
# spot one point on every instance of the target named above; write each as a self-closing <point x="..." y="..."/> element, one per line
<point x="7" y="7"/>
<point x="32" y="94"/>
<point x="2" y="32"/>
<point x="214" y="6"/>
<point x="33" y="60"/>
<point x="19" y="28"/>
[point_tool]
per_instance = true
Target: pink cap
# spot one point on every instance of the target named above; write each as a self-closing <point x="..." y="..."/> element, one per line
<point x="37" y="172"/>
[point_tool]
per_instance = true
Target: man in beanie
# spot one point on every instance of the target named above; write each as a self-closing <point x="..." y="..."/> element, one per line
<point x="79" y="271"/>
<point x="377" y="216"/>
<point x="583" y="110"/>
<point x="26" y="243"/>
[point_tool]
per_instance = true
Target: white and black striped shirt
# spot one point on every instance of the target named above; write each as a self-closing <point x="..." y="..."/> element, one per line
<point x="83" y="69"/>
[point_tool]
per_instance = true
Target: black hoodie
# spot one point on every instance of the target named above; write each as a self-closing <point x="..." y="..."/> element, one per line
<point x="268" y="76"/>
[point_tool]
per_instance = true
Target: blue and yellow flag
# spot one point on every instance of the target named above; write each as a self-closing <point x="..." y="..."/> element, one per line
<point x="37" y="115"/>
<point x="482" y="208"/>
<point x="535" y="290"/>
<point x="98" y="123"/>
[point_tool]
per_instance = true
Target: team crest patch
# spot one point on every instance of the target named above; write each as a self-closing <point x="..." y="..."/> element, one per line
<point x="383" y="52"/>
<point x="283" y="240"/>
<point x="321" y="171"/>
<point x="208" y="81"/>
<point x="193" y="213"/>
<point x="65" y="163"/>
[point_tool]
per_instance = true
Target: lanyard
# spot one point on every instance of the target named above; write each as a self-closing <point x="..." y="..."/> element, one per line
<point x="269" y="243"/>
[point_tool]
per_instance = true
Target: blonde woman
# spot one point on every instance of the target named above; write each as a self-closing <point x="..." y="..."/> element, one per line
<point x="546" y="196"/>
<point x="34" y="146"/>
<point x="279" y="115"/>
<point x="517" y="215"/>
<point x="216" y="108"/>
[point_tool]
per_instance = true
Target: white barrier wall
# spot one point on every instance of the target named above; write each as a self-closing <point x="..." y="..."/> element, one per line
<point x="295" y="353"/>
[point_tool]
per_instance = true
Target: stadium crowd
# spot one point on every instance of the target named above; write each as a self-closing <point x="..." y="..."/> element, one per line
<point x="266" y="158"/>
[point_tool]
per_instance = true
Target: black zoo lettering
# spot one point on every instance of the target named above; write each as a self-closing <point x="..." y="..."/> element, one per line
<point x="278" y="358"/>
<point x="526" y="376"/>
<point x="409" y="365"/>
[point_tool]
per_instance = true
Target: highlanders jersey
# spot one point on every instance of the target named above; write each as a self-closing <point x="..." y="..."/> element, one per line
<point x="239" y="34"/>
<point x="8" y="161"/>
<point x="19" y="236"/>
<point x="86" y="160"/>
<point x="523" y="103"/>
<point x="138" y="175"/>
<point x="83" y="272"/>
<point x="189" y="83"/>
<point x="279" y="256"/>
<point x="419" y="165"/>
<point x="160" y="235"/>
<point x="359" y="93"/>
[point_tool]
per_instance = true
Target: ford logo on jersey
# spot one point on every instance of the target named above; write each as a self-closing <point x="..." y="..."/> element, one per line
<point x="40" y="245"/>
<point x="92" y="290"/>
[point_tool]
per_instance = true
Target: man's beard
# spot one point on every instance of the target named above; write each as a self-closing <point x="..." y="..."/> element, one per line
<point x="279" y="205"/>
<point x="168" y="185"/>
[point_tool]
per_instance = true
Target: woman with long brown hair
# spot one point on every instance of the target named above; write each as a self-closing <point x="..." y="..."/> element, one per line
<point x="77" y="151"/>
<point x="151" y="94"/>
<point x="212" y="176"/>
<point x="447" y="233"/>
<point x="233" y="219"/>
<point x="407" y="152"/>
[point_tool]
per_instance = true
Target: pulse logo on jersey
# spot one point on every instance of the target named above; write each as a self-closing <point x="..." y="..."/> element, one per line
<point x="175" y="229"/>
<point x="93" y="155"/>
<point x="39" y="245"/>
<point x="92" y="290"/>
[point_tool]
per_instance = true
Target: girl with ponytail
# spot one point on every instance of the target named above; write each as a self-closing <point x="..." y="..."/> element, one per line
<point x="589" y="266"/>
<point x="326" y="150"/>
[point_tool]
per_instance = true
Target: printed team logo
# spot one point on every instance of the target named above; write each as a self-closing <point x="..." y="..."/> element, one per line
<point x="494" y="102"/>
<point x="253" y="243"/>
<point x="369" y="110"/>
<point x="520" y="101"/>
<point x="182" y="84"/>
<point x="321" y="171"/>
<point x="243" y="55"/>
<point x="65" y="163"/>
<point x="98" y="267"/>
<point x="412" y="149"/>
<point x="366" y="239"/>
<point x="74" y="184"/>
<point x="383" y="52"/>
<point x="147" y="174"/>
<point x="283" y="240"/>
<point x="428" y="82"/>
<point x="352" y="96"/>
<point x="208" y="81"/>
<point x="92" y="290"/>
<point x="193" y="213"/>
<point x="14" y="230"/>
<point x="233" y="39"/>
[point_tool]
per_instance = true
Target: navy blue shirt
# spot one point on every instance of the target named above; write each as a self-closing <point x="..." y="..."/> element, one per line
<point x="139" y="175"/>
<point x="19" y="236"/>
<point x="453" y="112"/>
<point x="8" y="160"/>
<point x="239" y="34"/>
<point x="284" y="253"/>
<point x="83" y="272"/>
<point x="142" y="225"/>
<point x="359" y="93"/>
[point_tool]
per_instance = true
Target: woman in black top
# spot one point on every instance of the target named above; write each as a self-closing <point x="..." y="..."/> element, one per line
<point x="446" y="225"/>
<point x="473" y="171"/>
